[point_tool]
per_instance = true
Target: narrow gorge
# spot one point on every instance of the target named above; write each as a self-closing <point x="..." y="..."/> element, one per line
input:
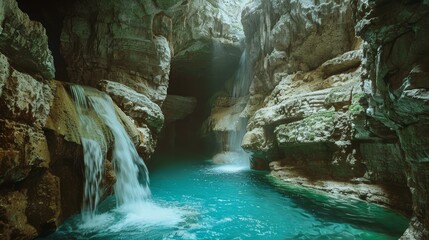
<point x="214" y="119"/>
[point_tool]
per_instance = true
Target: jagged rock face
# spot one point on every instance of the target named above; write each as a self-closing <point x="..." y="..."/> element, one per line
<point x="24" y="155"/>
<point x="197" y="23"/>
<point x="396" y="76"/>
<point x="307" y="104"/>
<point x="289" y="36"/>
<point x="120" y="41"/>
<point x="32" y="206"/>
<point x="298" y="83"/>
<point x="24" y="41"/>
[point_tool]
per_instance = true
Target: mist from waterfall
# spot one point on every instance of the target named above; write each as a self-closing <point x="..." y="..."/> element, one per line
<point x="95" y="109"/>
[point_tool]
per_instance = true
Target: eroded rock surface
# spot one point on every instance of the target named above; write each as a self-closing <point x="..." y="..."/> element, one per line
<point x="118" y="40"/>
<point x="24" y="41"/>
<point x="25" y="157"/>
<point x="396" y="73"/>
<point x="308" y="103"/>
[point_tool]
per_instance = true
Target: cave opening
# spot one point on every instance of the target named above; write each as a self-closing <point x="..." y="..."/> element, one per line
<point x="203" y="76"/>
<point x="51" y="14"/>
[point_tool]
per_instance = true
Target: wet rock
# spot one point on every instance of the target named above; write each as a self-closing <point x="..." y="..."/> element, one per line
<point x="136" y="105"/>
<point x="63" y="118"/>
<point x="13" y="221"/>
<point x="23" y="149"/>
<point x="44" y="206"/>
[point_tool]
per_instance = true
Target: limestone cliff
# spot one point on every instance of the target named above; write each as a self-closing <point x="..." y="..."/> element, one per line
<point x="29" y="199"/>
<point x="327" y="105"/>
<point x="307" y="105"/>
<point x="123" y="48"/>
<point x="396" y="76"/>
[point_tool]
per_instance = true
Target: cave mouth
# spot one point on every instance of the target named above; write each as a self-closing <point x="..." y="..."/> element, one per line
<point x="202" y="76"/>
<point x="51" y="14"/>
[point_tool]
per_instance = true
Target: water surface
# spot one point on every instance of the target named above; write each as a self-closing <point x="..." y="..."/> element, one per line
<point x="196" y="200"/>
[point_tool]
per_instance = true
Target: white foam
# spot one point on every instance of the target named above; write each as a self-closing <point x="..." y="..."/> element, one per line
<point x="231" y="162"/>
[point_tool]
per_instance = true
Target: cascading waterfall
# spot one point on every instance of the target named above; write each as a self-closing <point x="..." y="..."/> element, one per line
<point x="132" y="180"/>
<point x="94" y="147"/>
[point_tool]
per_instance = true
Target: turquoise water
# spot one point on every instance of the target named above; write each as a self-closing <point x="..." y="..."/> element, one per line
<point x="195" y="200"/>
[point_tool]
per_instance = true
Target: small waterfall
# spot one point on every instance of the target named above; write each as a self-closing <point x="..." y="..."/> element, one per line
<point x="239" y="92"/>
<point x="129" y="167"/>
<point x="94" y="147"/>
<point x="242" y="78"/>
<point x="95" y="109"/>
<point x="234" y="153"/>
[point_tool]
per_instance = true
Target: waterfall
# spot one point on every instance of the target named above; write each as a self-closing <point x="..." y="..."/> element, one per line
<point x="239" y="92"/>
<point x="234" y="153"/>
<point x="95" y="109"/>
<point x="242" y="78"/>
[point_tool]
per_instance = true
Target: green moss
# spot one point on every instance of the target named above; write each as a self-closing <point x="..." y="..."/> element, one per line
<point x="326" y="116"/>
<point x="357" y="97"/>
<point x="356" y="109"/>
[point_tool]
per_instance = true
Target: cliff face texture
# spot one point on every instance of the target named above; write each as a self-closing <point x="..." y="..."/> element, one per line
<point x="396" y="75"/>
<point x="339" y="92"/>
<point x="29" y="199"/>
<point x="121" y="41"/>
<point x="122" y="48"/>
<point x="305" y="97"/>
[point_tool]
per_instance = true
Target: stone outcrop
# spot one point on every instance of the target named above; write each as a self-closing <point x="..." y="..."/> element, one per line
<point x="396" y="78"/>
<point x="290" y="36"/>
<point x="140" y="111"/>
<point x="24" y="156"/>
<point x="41" y="157"/>
<point x="24" y="41"/>
<point x="123" y="41"/>
<point x="178" y="107"/>
<point x="25" y="101"/>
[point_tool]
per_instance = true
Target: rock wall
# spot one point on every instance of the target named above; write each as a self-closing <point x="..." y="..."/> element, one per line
<point x="121" y="41"/>
<point x="122" y="48"/>
<point x="41" y="159"/>
<point x="307" y="105"/>
<point x="396" y="78"/>
<point x="29" y="199"/>
<point x="207" y="42"/>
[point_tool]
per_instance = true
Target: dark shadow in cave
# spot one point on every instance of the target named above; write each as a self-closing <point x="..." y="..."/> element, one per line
<point x="51" y="14"/>
<point x="201" y="75"/>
